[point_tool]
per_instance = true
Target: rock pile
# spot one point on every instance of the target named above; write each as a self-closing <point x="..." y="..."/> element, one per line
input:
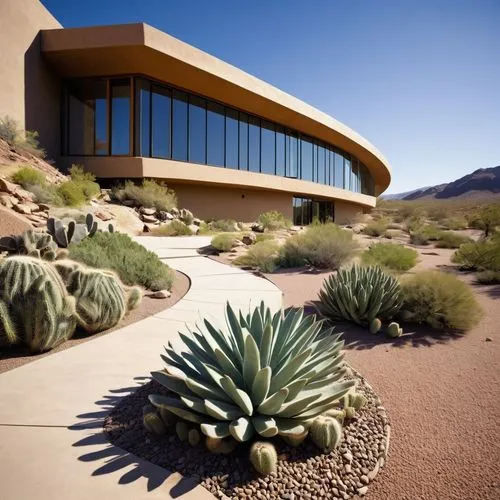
<point x="153" y="217"/>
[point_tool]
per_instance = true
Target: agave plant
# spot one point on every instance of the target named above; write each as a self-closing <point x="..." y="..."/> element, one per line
<point x="360" y="294"/>
<point x="264" y="374"/>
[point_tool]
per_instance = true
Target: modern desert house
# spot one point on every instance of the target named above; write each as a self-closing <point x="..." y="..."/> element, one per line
<point x="129" y="101"/>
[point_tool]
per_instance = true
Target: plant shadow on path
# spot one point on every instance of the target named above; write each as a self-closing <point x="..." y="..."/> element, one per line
<point x="112" y="459"/>
<point x="360" y="338"/>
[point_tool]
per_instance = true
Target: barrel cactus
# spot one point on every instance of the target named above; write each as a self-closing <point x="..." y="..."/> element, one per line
<point x="375" y="325"/>
<point x="326" y="432"/>
<point x="264" y="457"/>
<point x="394" y="330"/>
<point x="101" y="301"/>
<point x="263" y="375"/>
<point x="360" y="294"/>
<point x="152" y="421"/>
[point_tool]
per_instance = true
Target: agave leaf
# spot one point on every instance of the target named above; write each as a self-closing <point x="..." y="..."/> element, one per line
<point x="291" y="426"/>
<point x="177" y="407"/>
<point x="298" y="405"/>
<point x="218" y="430"/>
<point x="228" y="367"/>
<point x="205" y="390"/>
<point x="281" y="378"/>
<point x="240" y="397"/>
<point x="272" y="404"/>
<point x="251" y="361"/>
<point x="260" y="386"/>
<point x="173" y="384"/>
<point x="295" y="387"/>
<point x="265" y="426"/>
<point x="222" y="411"/>
<point x="266" y="345"/>
<point x="241" y="429"/>
<point x="194" y="403"/>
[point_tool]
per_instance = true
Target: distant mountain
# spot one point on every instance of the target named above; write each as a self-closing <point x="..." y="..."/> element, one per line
<point x="481" y="183"/>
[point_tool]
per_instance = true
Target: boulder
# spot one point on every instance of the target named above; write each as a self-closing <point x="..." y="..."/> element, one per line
<point x="197" y="222"/>
<point x="105" y="216"/>
<point x="175" y="212"/>
<point x="146" y="229"/>
<point x="249" y="238"/>
<point x="147" y="210"/>
<point x="150" y="219"/>
<point x="164" y="215"/>
<point x="22" y="209"/>
<point x="23" y="195"/>
<point x="257" y="228"/>
<point x="7" y="186"/>
<point x="194" y="228"/>
<point x="43" y="207"/>
<point x="6" y="200"/>
<point x="238" y="243"/>
<point x="186" y="215"/>
<point x="128" y="203"/>
<point x="160" y="294"/>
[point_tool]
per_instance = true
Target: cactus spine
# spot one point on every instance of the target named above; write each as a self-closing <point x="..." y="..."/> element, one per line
<point x="8" y="330"/>
<point x="326" y="432"/>
<point x="263" y="457"/>
<point x="394" y="331"/>
<point x="375" y="326"/>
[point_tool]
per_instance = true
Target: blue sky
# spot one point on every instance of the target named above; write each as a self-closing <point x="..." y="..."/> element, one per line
<point x="418" y="79"/>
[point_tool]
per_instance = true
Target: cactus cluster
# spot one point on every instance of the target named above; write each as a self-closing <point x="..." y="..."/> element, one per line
<point x="262" y="375"/>
<point x="360" y="295"/>
<point x="394" y="330"/>
<point x="31" y="243"/>
<point x="73" y="232"/>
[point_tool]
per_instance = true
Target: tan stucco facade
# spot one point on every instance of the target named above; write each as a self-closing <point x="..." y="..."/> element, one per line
<point x="29" y="92"/>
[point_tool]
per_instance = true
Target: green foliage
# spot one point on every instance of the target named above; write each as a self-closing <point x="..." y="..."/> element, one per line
<point x="262" y="374"/>
<point x="360" y="294"/>
<point x="264" y="457"/>
<point x="325" y="246"/>
<point x="273" y="221"/>
<point x="224" y="226"/>
<point x="422" y="235"/>
<point x="148" y="194"/>
<point x="50" y="317"/>
<point x="441" y="300"/>
<point x="449" y="239"/>
<point x="326" y="432"/>
<point x="224" y="242"/>
<point x="482" y="255"/>
<point x="131" y="261"/>
<point x="488" y="277"/>
<point x="377" y="227"/>
<point x="487" y="218"/>
<point x="30" y="243"/>
<point x="85" y="181"/>
<point x="28" y="176"/>
<point x="455" y="223"/>
<point x="391" y="256"/>
<point x="174" y="228"/>
<point x="262" y="256"/>
<point x="25" y="140"/>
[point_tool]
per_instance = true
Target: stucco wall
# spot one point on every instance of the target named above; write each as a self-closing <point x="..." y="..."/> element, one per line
<point x="29" y="93"/>
<point x="346" y="213"/>
<point x="241" y="204"/>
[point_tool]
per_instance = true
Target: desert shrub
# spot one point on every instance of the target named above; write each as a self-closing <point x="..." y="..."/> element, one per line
<point x="148" y="194"/>
<point x="488" y="277"/>
<point x="273" y="221"/>
<point x="262" y="255"/>
<point x="487" y="218"/>
<point x="391" y="256"/>
<point x="85" y="181"/>
<point x="134" y="264"/>
<point x="377" y="227"/>
<point x="263" y="237"/>
<point x="225" y="226"/>
<point x="455" y="223"/>
<point x="449" y="239"/>
<point x="71" y="194"/>
<point x="26" y="140"/>
<point x="482" y="255"/>
<point x="224" y="242"/>
<point x="325" y="246"/>
<point x="441" y="300"/>
<point x="29" y="176"/>
<point x="173" y="228"/>
<point x="425" y="234"/>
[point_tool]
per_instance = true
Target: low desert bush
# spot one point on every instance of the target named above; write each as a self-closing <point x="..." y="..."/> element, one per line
<point x="455" y="223"/>
<point x="134" y="264"/>
<point x="262" y="255"/>
<point x="449" y="239"/>
<point x="224" y="226"/>
<point x="377" y="227"/>
<point x="273" y="221"/>
<point x="173" y="228"/>
<point x="390" y="256"/>
<point x="487" y="218"/>
<point x="224" y="242"/>
<point x="25" y="140"/>
<point x="423" y="235"/>
<point x="29" y="176"/>
<point x="488" y="277"/>
<point x="482" y="255"/>
<point x="441" y="300"/>
<point x="148" y="194"/>
<point x="325" y="246"/>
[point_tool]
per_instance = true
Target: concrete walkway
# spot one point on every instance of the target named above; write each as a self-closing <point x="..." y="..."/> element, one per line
<point x="52" y="410"/>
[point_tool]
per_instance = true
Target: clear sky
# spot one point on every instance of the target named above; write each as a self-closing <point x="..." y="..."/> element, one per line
<point x="420" y="79"/>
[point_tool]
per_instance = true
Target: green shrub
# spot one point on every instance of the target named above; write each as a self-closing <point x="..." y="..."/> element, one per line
<point x="487" y="218"/>
<point x="425" y="234"/>
<point x="377" y="227"/>
<point x="26" y="140"/>
<point x="449" y="239"/>
<point x="173" y="228"/>
<point x="263" y="237"/>
<point x="225" y="226"/>
<point x="441" y="300"/>
<point x="29" y="176"/>
<point x="482" y="255"/>
<point x="262" y="255"/>
<point x="85" y="181"/>
<point x="325" y="246"/>
<point x="455" y="223"/>
<point x="148" y="194"/>
<point x="131" y="261"/>
<point x="224" y="242"/>
<point x="391" y="256"/>
<point x="273" y="221"/>
<point x="488" y="277"/>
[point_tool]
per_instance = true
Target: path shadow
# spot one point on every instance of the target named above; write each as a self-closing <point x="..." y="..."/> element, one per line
<point x="111" y="458"/>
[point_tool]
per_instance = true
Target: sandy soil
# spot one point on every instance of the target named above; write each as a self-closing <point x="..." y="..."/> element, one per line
<point x="11" y="223"/>
<point x="441" y="391"/>
<point x="17" y="356"/>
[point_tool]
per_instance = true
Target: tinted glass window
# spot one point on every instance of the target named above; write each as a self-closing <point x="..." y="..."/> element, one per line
<point x="215" y="134"/>
<point x="197" y="130"/>
<point x="280" y="150"/>
<point x="306" y="158"/>
<point x="339" y="170"/>
<point x="120" y="118"/>
<point x="292" y="155"/>
<point x="180" y="126"/>
<point x="232" y="133"/>
<point x="268" y="148"/>
<point x="332" y="167"/>
<point x="321" y="164"/>
<point x="347" y="173"/>
<point x="254" y="144"/>
<point x="243" y="141"/>
<point x="142" y="117"/>
<point x="315" y="162"/>
<point x="161" y="108"/>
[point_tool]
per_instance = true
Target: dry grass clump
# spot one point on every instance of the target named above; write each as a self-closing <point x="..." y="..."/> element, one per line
<point x="224" y="242"/>
<point x="262" y="256"/>
<point x="173" y="228"/>
<point x="148" y="194"/>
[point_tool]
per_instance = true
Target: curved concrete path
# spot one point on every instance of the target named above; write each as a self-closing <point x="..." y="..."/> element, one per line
<point x="52" y="410"/>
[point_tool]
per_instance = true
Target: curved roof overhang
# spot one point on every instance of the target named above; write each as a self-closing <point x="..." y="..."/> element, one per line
<point x="142" y="49"/>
